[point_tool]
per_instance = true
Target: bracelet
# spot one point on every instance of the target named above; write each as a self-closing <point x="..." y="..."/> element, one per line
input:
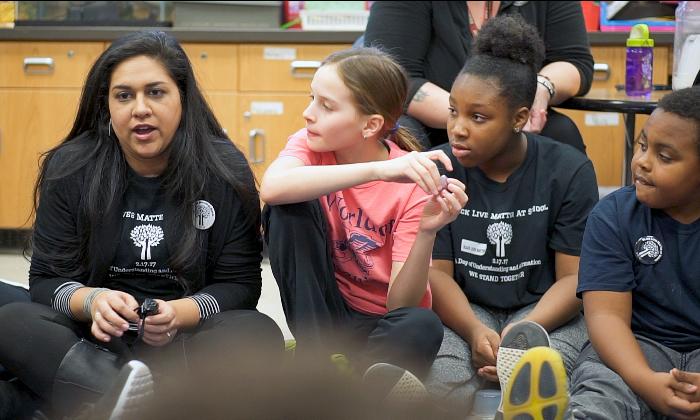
<point x="87" y="302"/>
<point x="547" y="83"/>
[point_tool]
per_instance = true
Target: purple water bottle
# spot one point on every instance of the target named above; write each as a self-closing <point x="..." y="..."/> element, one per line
<point x="640" y="59"/>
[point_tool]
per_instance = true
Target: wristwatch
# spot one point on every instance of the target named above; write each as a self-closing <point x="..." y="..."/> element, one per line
<point x="544" y="81"/>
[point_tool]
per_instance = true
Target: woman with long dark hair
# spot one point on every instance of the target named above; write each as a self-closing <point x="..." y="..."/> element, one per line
<point x="146" y="235"/>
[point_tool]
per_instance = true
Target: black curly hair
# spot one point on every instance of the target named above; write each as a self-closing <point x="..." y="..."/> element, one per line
<point x="509" y="51"/>
<point x="686" y="104"/>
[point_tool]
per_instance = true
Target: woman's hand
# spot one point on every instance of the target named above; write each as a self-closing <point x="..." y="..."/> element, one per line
<point x="415" y="167"/>
<point x="111" y="312"/>
<point x="538" y="111"/>
<point x="444" y="207"/>
<point x="160" y="329"/>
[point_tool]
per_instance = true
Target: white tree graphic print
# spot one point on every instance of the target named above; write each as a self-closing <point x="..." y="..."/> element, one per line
<point x="651" y="249"/>
<point x="202" y="213"/>
<point x="500" y="234"/>
<point x="146" y="236"/>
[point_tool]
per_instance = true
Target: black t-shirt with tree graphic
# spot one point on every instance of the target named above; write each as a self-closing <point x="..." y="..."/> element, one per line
<point x="504" y="240"/>
<point x="140" y="265"/>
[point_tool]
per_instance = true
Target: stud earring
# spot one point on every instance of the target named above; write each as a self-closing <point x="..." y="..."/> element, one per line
<point x="516" y="129"/>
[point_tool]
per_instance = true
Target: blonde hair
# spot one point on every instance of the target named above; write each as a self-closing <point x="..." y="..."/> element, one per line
<point x="379" y="85"/>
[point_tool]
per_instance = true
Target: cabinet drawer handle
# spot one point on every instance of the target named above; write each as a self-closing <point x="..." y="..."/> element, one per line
<point x="304" y="65"/>
<point x="602" y="70"/>
<point x="30" y="62"/>
<point x="252" y="149"/>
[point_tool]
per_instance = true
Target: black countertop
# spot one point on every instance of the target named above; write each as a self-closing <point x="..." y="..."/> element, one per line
<point x="221" y="35"/>
<point x="228" y="35"/>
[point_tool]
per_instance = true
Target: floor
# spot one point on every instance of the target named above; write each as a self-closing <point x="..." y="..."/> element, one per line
<point x="14" y="268"/>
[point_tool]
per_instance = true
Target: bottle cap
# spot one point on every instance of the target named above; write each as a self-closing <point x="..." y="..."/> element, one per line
<point x="639" y="36"/>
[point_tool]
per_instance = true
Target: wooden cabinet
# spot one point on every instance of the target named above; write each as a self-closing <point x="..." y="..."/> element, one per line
<point x="274" y="91"/>
<point x="40" y="85"/>
<point x="216" y="69"/>
<point x="604" y="133"/>
<point x="281" y="67"/>
<point x="46" y="64"/>
<point x="265" y="122"/>
<point x="257" y="92"/>
<point x="215" y="65"/>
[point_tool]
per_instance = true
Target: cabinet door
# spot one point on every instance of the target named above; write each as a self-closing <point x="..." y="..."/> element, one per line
<point x="47" y="64"/>
<point x="281" y="67"/>
<point x="214" y="65"/>
<point x="265" y="123"/>
<point x="604" y="133"/>
<point x="225" y="107"/>
<point x="34" y="121"/>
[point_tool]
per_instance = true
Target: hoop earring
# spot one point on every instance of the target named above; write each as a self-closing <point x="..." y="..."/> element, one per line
<point x="109" y="128"/>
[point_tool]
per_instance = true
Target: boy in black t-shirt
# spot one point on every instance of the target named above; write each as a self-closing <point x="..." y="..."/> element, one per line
<point x="512" y="253"/>
<point x="640" y="279"/>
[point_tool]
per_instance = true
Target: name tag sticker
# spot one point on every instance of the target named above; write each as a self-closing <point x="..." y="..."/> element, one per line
<point x="474" y="248"/>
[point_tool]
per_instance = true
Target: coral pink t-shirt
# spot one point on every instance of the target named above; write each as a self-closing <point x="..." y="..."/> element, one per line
<point x="370" y="225"/>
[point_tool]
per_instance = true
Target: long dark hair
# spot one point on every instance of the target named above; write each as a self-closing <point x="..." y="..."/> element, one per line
<point x="193" y="158"/>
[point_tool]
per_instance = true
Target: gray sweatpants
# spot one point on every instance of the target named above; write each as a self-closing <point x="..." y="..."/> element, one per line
<point x="452" y="379"/>
<point x="597" y="392"/>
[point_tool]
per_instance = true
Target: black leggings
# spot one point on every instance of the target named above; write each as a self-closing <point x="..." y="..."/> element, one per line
<point x="316" y="311"/>
<point x="36" y="338"/>
<point x="10" y="293"/>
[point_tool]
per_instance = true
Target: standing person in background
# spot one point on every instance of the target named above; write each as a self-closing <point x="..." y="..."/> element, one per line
<point x="146" y="198"/>
<point x="433" y="39"/>
<point x="348" y="192"/>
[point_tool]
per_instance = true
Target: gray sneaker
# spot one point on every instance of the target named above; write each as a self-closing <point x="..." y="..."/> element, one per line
<point x="521" y="337"/>
<point x="397" y="385"/>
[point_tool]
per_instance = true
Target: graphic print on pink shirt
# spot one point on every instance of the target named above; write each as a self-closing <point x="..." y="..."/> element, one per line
<point x="359" y="243"/>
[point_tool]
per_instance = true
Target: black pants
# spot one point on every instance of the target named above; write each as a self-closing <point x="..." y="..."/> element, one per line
<point x="10" y="293"/>
<point x="316" y="312"/>
<point x="558" y="127"/>
<point x="36" y="338"/>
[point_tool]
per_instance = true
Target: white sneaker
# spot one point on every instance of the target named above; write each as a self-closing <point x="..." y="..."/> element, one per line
<point x="520" y="338"/>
